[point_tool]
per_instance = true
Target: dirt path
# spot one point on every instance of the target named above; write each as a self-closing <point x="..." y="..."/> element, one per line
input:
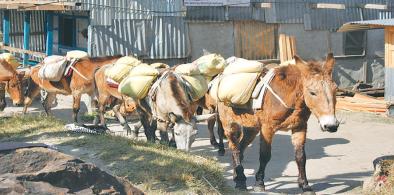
<point x="337" y="163"/>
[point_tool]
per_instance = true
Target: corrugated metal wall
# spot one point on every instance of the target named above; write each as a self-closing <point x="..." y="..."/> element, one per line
<point x="255" y="40"/>
<point x="103" y="12"/>
<point x="37" y="30"/>
<point x="295" y="12"/>
<point x="158" y="38"/>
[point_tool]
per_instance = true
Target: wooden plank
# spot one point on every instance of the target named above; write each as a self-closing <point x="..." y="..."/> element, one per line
<point x="289" y="55"/>
<point x="18" y="50"/>
<point x="329" y="6"/>
<point x="282" y="51"/>
<point x="293" y="46"/>
<point x="376" y="6"/>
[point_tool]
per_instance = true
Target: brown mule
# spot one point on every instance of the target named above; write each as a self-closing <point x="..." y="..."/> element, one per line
<point x="208" y="103"/>
<point x="106" y="94"/>
<point x="304" y="88"/>
<point x="77" y="84"/>
<point x="12" y="84"/>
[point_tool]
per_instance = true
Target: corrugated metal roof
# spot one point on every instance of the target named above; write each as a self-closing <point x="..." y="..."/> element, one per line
<point x="365" y="25"/>
<point x="156" y="38"/>
<point x="332" y="19"/>
<point x="215" y="13"/>
<point x="285" y="11"/>
<point x="104" y="11"/>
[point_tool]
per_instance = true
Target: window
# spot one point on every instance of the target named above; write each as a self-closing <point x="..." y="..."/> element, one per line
<point x="354" y="43"/>
<point x="73" y="32"/>
<point x="67" y="26"/>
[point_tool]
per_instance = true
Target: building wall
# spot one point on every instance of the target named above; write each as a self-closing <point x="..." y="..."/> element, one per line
<point x="316" y="44"/>
<point x="214" y="37"/>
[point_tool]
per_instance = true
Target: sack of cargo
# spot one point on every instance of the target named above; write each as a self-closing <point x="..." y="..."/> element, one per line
<point x="10" y="59"/>
<point x="144" y="70"/>
<point x="236" y="88"/>
<point x="53" y="68"/>
<point x="121" y="68"/>
<point x="187" y="69"/>
<point x="77" y="54"/>
<point x="239" y="65"/>
<point x="136" y="87"/>
<point x="211" y="65"/>
<point x="198" y="86"/>
<point x="159" y="65"/>
<point x="213" y="88"/>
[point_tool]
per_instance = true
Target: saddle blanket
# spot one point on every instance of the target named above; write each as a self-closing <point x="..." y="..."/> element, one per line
<point x="111" y="83"/>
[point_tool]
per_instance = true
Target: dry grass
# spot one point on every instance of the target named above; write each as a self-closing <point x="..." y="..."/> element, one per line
<point x="154" y="168"/>
<point x="388" y="166"/>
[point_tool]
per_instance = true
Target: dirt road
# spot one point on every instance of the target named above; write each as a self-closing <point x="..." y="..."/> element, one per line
<point x="337" y="162"/>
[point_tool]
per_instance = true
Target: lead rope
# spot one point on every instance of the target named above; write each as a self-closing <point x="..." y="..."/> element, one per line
<point x="80" y="74"/>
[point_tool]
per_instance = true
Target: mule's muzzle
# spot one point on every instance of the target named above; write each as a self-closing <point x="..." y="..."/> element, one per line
<point x="330" y="128"/>
<point x="329" y="123"/>
<point x="17" y="103"/>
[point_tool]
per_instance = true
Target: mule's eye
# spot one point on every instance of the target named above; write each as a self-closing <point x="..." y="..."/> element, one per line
<point x="312" y="93"/>
<point x="176" y="133"/>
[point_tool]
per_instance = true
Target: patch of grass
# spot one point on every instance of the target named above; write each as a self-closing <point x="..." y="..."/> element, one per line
<point x="154" y="168"/>
<point x="17" y="126"/>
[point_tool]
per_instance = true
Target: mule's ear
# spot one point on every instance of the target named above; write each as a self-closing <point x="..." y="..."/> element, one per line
<point x="173" y="117"/>
<point x="205" y="117"/>
<point x="301" y="64"/>
<point x="329" y="64"/>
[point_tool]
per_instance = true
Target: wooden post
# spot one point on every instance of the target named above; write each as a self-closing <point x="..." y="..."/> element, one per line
<point x="26" y="37"/>
<point x="389" y="63"/>
<point x="6" y="27"/>
<point x="49" y="28"/>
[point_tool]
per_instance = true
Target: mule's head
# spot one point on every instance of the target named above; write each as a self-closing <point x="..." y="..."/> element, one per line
<point x="14" y="88"/>
<point x="319" y="90"/>
<point x="186" y="131"/>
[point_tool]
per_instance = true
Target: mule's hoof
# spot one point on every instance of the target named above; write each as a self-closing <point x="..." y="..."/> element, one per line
<point x="309" y="193"/>
<point x="241" y="186"/>
<point x="259" y="188"/>
<point x="172" y="144"/>
<point x="221" y="152"/>
<point x="214" y="144"/>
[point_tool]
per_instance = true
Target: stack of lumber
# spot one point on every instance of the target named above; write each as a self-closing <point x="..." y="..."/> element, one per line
<point x="361" y="103"/>
<point x="287" y="48"/>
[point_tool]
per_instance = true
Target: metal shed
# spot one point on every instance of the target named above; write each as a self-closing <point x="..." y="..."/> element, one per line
<point x="149" y="29"/>
<point x="388" y="26"/>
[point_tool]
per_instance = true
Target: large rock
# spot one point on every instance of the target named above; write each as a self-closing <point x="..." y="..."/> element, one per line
<point x="45" y="171"/>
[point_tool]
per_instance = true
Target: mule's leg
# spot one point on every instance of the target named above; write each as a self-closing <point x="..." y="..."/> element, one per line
<point x="3" y="104"/>
<point x="94" y="104"/>
<point x="47" y="103"/>
<point x="76" y="106"/>
<point x="147" y="124"/>
<point x="212" y="138"/>
<point x="233" y="134"/>
<point x="266" y="136"/>
<point x="248" y="136"/>
<point x="221" y="150"/>
<point x="298" y="138"/>
<point x="32" y="91"/>
<point x="123" y="121"/>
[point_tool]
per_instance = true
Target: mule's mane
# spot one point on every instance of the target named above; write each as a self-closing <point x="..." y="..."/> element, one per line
<point x="315" y="67"/>
<point x="179" y="94"/>
<point x="101" y="59"/>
